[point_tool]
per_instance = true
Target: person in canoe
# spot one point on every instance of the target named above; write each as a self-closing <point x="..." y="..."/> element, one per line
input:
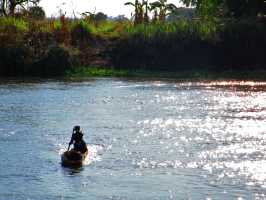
<point x="76" y="156"/>
<point x="77" y="140"/>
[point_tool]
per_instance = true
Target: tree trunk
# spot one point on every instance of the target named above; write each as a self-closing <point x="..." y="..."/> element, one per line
<point x="12" y="8"/>
<point x="3" y="8"/>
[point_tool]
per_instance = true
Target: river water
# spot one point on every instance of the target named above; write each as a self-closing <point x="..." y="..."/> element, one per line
<point x="153" y="139"/>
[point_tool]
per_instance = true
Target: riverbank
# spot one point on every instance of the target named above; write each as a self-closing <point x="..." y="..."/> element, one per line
<point x="88" y="72"/>
<point x="185" y="48"/>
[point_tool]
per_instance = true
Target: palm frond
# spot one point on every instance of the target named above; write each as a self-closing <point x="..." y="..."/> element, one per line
<point x="129" y="4"/>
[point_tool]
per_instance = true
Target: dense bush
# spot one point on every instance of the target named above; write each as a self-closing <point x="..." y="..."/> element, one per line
<point x="31" y="51"/>
<point x="14" y="60"/>
<point x="52" y="46"/>
<point x="193" y="44"/>
<point x="55" y="62"/>
<point x="81" y="33"/>
<point x="243" y="44"/>
<point x="168" y="46"/>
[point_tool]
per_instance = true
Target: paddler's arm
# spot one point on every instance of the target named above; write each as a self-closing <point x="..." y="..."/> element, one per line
<point x="71" y="142"/>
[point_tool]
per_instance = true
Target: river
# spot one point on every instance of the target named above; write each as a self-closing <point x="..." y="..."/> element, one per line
<point x="152" y="139"/>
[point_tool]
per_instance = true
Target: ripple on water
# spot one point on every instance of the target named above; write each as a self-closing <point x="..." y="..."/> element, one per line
<point x="228" y="142"/>
<point x="164" y="139"/>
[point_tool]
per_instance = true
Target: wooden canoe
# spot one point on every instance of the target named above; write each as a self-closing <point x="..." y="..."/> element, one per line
<point x="73" y="158"/>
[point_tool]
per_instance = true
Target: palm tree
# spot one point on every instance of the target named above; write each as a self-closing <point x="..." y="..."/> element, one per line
<point x="146" y="13"/>
<point x="140" y="14"/>
<point x="164" y="9"/>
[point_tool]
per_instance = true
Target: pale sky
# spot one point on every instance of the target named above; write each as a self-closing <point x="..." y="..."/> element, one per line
<point x="109" y="7"/>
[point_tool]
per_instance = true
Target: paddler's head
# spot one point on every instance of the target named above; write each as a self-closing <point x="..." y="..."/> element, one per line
<point x="76" y="129"/>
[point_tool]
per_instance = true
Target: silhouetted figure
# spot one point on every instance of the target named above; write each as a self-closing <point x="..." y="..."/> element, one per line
<point x="77" y="140"/>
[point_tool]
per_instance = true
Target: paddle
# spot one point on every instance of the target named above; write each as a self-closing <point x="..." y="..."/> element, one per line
<point x="70" y="141"/>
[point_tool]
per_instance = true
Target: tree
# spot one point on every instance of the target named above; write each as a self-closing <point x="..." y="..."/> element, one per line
<point x="36" y="12"/>
<point x="164" y="9"/>
<point x="205" y="7"/>
<point x="141" y="11"/>
<point x="160" y="9"/>
<point x="100" y="17"/>
<point x="248" y="8"/>
<point x="146" y="12"/>
<point x="227" y="8"/>
<point x="121" y="18"/>
<point x="182" y="13"/>
<point x="94" y="18"/>
<point x="3" y="5"/>
<point x="8" y="7"/>
<point x="1" y="11"/>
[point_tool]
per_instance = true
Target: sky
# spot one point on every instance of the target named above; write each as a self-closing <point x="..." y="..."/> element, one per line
<point x="109" y="7"/>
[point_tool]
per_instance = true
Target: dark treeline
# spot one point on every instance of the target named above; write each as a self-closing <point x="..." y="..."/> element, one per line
<point x="215" y="35"/>
<point x="221" y="35"/>
<point x="237" y="45"/>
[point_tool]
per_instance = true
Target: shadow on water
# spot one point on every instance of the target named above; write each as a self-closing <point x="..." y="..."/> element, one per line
<point x="72" y="171"/>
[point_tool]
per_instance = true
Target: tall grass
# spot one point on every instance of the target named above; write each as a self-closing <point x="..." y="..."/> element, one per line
<point x="109" y="29"/>
<point x="18" y="24"/>
<point x="93" y="71"/>
<point x="166" y="45"/>
<point x="84" y="25"/>
<point x="184" y="28"/>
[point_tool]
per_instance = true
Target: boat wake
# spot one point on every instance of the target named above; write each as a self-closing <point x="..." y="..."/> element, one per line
<point x="93" y="155"/>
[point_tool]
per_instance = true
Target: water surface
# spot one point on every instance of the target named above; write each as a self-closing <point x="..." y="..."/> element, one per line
<point x="148" y="139"/>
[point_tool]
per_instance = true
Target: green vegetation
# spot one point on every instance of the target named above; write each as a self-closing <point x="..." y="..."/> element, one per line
<point x="228" y="8"/>
<point x="217" y="40"/>
<point x="17" y="24"/>
<point x="186" y="74"/>
<point x="193" y="44"/>
<point x="97" y="72"/>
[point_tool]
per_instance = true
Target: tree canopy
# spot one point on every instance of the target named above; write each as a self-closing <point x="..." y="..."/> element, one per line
<point x="8" y="7"/>
<point x="36" y="12"/>
<point x="227" y="8"/>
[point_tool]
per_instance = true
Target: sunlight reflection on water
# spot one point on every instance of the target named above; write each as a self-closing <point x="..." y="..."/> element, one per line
<point x="229" y="135"/>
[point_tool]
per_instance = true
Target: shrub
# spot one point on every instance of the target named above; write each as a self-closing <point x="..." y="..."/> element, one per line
<point x="82" y="33"/>
<point x="14" y="23"/>
<point x="168" y="46"/>
<point x="243" y="43"/>
<point x="10" y="66"/>
<point x="54" y="63"/>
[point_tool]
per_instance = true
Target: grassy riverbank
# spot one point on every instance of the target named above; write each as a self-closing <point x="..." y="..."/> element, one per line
<point x="83" y="72"/>
<point x="183" y="48"/>
<point x="88" y="72"/>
